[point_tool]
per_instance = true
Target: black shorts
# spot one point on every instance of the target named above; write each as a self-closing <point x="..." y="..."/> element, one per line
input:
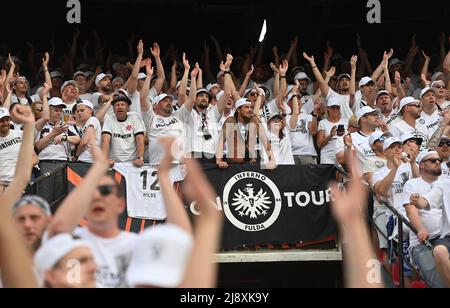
<point x="443" y="242"/>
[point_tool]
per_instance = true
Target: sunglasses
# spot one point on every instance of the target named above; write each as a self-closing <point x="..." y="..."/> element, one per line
<point x="106" y="190"/>
<point x="419" y="106"/>
<point x="434" y="160"/>
<point x="439" y="87"/>
<point x="253" y="94"/>
<point x="444" y="143"/>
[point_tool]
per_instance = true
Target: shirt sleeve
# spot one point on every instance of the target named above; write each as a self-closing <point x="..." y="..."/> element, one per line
<point x="107" y="127"/>
<point x="435" y="197"/>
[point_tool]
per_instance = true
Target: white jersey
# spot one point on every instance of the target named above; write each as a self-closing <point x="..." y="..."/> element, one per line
<point x="53" y="151"/>
<point x="431" y="122"/>
<point x="123" y="147"/>
<point x="403" y="175"/>
<point x="402" y="128"/>
<point x="361" y="145"/>
<point x="9" y="153"/>
<point x="158" y="126"/>
<point x="301" y="139"/>
<point x="202" y="133"/>
<point x="23" y="101"/>
<point x="431" y="220"/>
<point x="281" y="149"/>
<point x="445" y="172"/>
<point x="267" y="110"/>
<point x="144" y="198"/>
<point x="328" y="153"/>
<point x="86" y="156"/>
<point x="439" y="198"/>
<point x="391" y="119"/>
<point x="112" y="256"/>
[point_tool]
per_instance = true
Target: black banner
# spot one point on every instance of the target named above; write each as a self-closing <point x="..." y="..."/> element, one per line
<point x="289" y="206"/>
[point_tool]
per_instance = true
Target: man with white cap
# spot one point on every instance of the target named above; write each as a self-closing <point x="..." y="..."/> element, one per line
<point x="240" y="133"/>
<point x="389" y="181"/>
<point x="84" y="85"/>
<point x="89" y="125"/>
<point x="69" y="95"/>
<point x="410" y="110"/>
<point x="32" y="215"/>
<point x="441" y="94"/>
<point x="375" y="163"/>
<point x="56" y="258"/>
<point x="123" y="134"/>
<point x="427" y="223"/>
<point x="443" y="150"/>
<point x="368" y="120"/>
<point x="104" y="87"/>
<point x="368" y="88"/>
<point x="385" y="104"/>
<point x="307" y="101"/>
<point x="160" y="119"/>
<point x="53" y="145"/>
<point x="327" y="135"/>
<point x="347" y="105"/>
<point x="214" y="89"/>
<point x="430" y="117"/>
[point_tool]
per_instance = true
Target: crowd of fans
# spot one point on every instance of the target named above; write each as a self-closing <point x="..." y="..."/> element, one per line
<point x="394" y="119"/>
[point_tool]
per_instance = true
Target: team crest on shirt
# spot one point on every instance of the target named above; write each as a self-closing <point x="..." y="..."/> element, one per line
<point x="252" y="202"/>
<point x="379" y="164"/>
<point x="160" y="121"/>
<point x="129" y="128"/>
<point x="422" y="121"/>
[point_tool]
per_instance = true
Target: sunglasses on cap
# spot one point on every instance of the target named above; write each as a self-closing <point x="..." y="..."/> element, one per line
<point x="434" y="160"/>
<point x="106" y="190"/>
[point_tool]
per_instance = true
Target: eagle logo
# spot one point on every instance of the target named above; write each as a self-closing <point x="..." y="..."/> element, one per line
<point x="249" y="205"/>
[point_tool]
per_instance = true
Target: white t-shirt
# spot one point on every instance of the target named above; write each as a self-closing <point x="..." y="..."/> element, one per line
<point x="123" y="147"/>
<point x="68" y="111"/>
<point x="53" y="151"/>
<point x="9" y="153"/>
<point x="372" y="165"/>
<point x="281" y="149"/>
<point x="328" y="153"/>
<point x="22" y="101"/>
<point x="445" y="172"/>
<point x="195" y="141"/>
<point x="267" y="110"/>
<point x="361" y="145"/>
<point x="391" y="119"/>
<point x="158" y="126"/>
<point x="439" y="198"/>
<point x="86" y="156"/>
<point x="431" y="220"/>
<point x="431" y="122"/>
<point x="301" y="139"/>
<point x="112" y="256"/>
<point x="403" y="175"/>
<point x="136" y="100"/>
<point x="402" y="128"/>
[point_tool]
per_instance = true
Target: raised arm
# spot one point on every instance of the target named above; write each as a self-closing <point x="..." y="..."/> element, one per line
<point x="322" y="84"/>
<point x="385" y="62"/>
<point x="47" y="77"/>
<point x="103" y="110"/>
<point x="246" y="81"/>
<point x="227" y="84"/>
<point x="424" y="72"/>
<point x="295" y="108"/>
<point x="176" y="213"/>
<point x="182" y="97"/>
<point x="383" y="187"/>
<point x="145" y="105"/>
<point x="39" y="125"/>
<point x="190" y="102"/>
<point x="161" y="77"/>
<point x="353" y="62"/>
<point x="281" y="97"/>
<point x="75" y="206"/>
<point x="202" y="269"/>
<point x="133" y="80"/>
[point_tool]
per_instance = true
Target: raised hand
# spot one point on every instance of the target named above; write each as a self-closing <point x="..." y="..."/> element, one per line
<point x="284" y="68"/>
<point x="149" y="68"/>
<point x="45" y="60"/>
<point x="23" y="114"/>
<point x="186" y="64"/>
<point x="274" y="68"/>
<point x="195" y="71"/>
<point x="140" y="48"/>
<point x="353" y="62"/>
<point x="172" y="150"/>
<point x="331" y="72"/>
<point x="426" y="57"/>
<point x="250" y="71"/>
<point x="310" y="59"/>
<point x="155" y="50"/>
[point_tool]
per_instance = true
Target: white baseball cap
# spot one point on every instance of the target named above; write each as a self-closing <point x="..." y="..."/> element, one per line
<point x="56" y="102"/>
<point x="118" y="79"/>
<point x="69" y="83"/>
<point x="425" y="91"/>
<point x="364" y="111"/>
<point x="142" y="76"/>
<point x="365" y="81"/>
<point x="4" y="113"/>
<point x="102" y="76"/>
<point x="333" y="102"/>
<point x="219" y="74"/>
<point x="55" y="249"/>
<point x="212" y="85"/>
<point x="56" y="74"/>
<point x="390" y="142"/>
<point x="242" y="102"/>
<point x="395" y="61"/>
<point x="375" y="137"/>
<point x="79" y="73"/>
<point x="161" y="97"/>
<point x="200" y="91"/>
<point x="161" y="258"/>
<point x="425" y="154"/>
<point x="435" y="83"/>
<point x="406" y="101"/>
<point x="411" y="136"/>
<point x="302" y="76"/>
<point x="292" y="95"/>
<point x="383" y="92"/>
<point x="86" y="103"/>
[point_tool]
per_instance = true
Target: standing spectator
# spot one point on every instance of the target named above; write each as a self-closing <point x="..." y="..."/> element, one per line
<point x="328" y="129"/>
<point x="430" y="116"/>
<point x="307" y="100"/>
<point x="368" y="121"/>
<point x="90" y="126"/>
<point x="280" y="141"/>
<point x="427" y="223"/>
<point x="443" y="150"/>
<point x="69" y="95"/>
<point x="123" y="135"/>
<point x="53" y="147"/>
<point x="105" y="89"/>
<point x="83" y="85"/>
<point x="302" y="130"/>
<point x="441" y="94"/>
<point x="384" y="103"/>
<point x="411" y="110"/>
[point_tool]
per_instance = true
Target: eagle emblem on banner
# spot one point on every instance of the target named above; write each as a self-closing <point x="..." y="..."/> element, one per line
<point x="249" y="205"/>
